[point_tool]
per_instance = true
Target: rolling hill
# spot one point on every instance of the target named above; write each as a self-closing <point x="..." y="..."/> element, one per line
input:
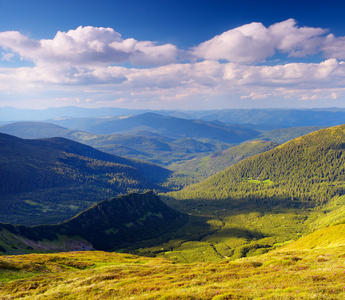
<point x="202" y="168"/>
<point x="108" y="225"/>
<point x="171" y="127"/>
<point x="309" y="169"/>
<point x="50" y="180"/>
<point x="284" y="135"/>
<point x="144" y="145"/>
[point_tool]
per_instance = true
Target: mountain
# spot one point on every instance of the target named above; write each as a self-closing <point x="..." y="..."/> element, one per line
<point x="49" y="180"/>
<point x="35" y="130"/>
<point x="200" y="169"/>
<point x="144" y="145"/>
<point x="308" y="169"/>
<point x="168" y="126"/>
<point x="276" y="118"/>
<point x="284" y="135"/>
<point x="16" y="114"/>
<point x="268" y="118"/>
<point x="107" y="225"/>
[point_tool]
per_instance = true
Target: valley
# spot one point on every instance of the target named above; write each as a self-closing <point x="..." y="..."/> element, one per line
<point x="185" y="208"/>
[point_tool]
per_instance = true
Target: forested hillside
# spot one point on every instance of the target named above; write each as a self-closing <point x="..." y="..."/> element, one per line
<point x="107" y="225"/>
<point x="50" y="180"/>
<point x="309" y="169"/>
<point x="200" y="169"/>
<point x="283" y="135"/>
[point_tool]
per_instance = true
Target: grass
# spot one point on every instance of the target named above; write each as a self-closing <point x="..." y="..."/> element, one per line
<point x="281" y="274"/>
<point x="227" y="250"/>
<point x="221" y="229"/>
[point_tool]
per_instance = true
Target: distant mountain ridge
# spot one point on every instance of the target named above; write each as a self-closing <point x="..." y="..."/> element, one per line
<point x="172" y="127"/>
<point x="144" y="145"/>
<point x="271" y="118"/>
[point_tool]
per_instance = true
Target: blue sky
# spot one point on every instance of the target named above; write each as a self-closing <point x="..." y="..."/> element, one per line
<point x="172" y="54"/>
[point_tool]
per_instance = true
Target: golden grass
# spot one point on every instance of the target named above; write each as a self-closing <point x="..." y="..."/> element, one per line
<point x="281" y="274"/>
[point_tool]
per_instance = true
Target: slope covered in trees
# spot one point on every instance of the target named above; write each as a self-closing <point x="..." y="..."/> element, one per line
<point x="107" y="225"/>
<point x="308" y="169"/>
<point x="202" y="168"/>
<point x="50" y="180"/>
<point x="284" y="135"/>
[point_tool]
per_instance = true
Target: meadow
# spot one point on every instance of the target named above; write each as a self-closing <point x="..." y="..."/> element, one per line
<point x="280" y="274"/>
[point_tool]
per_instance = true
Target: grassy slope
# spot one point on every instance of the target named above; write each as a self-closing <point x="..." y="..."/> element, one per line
<point x="282" y="274"/>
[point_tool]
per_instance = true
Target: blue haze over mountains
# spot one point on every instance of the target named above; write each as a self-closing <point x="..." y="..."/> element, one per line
<point x="271" y="118"/>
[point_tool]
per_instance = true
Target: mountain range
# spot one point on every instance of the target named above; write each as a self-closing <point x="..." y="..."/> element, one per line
<point x="268" y="118"/>
<point x="149" y="146"/>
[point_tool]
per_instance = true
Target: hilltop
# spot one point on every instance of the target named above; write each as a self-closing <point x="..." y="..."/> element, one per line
<point x="50" y="180"/>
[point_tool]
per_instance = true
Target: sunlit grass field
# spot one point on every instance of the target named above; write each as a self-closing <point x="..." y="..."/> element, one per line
<point x="223" y="252"/>
<point x="280" y="274"/>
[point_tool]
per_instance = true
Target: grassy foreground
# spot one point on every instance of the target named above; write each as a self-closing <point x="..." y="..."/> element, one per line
<point x="280" y="274"/>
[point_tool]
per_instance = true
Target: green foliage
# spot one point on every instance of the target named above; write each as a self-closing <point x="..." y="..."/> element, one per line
<point x="308" y="170"/>
<point x="196" y="170"/>
<point x="108" y="225"/>
<point x="57" y="178"/>
<point x="284" y="135"/>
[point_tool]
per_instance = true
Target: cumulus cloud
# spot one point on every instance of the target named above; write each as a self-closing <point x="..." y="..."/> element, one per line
<point x="254" y="42"/>
<point x="88" y="46"/>
<point x="334" y="47"/>
<point x="86" y="60"/>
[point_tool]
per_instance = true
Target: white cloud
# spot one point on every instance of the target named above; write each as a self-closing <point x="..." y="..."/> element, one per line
<point x="334" y="47"/>
<point x="88" y="46"/>
<point x="7" y="56"/>
<point x="85" y="61"/>
<point x="254" y="42"/>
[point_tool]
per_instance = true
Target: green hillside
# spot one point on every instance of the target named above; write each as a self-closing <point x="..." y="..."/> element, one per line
<point x="309" y="169"/>
<point x="107" y="225"/>
<point x="333" y="236"/>
<point x="50" y="180"/>
<point x="202" y="168"/>
<point x="284" y="135"/>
